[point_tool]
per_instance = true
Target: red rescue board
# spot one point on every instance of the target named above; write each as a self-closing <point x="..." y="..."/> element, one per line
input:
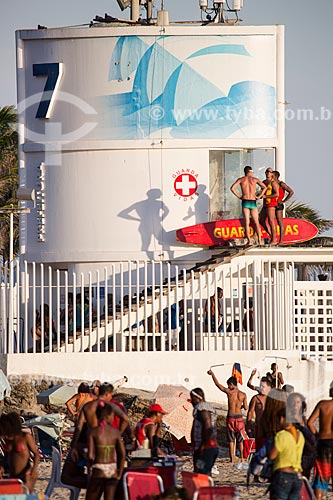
<point x="221" y="231"/>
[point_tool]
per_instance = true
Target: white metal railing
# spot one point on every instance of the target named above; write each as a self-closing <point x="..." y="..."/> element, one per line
<point x="149" y="306"/>
<point x="313" y="303"/>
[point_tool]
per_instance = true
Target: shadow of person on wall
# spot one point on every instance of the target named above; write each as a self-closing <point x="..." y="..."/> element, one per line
<point x="201" y="206"/>
<point x="150" y="214"/>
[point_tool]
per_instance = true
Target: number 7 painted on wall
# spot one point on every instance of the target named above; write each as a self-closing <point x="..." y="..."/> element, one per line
<point x="53" y="72"/>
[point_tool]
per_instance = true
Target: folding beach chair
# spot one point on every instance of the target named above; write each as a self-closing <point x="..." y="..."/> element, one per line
<point x="12" y="487"/>
<point x="307" y="492"/>
<point x="141" y="485"/>
<point x="192" y="481"/>
<point x="55" y="479"/>
<point x="216" y="493"/>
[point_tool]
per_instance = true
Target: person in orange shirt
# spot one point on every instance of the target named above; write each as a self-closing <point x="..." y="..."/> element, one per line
<point x="75" y="403"/>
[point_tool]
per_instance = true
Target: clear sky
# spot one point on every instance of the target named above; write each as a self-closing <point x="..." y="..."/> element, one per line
<point x="309" y="71"/>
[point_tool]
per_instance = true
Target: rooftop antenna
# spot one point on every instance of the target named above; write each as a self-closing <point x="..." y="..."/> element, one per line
<point x="162" y="16"/>
<point x="135" y="10"/>
<point x="216" y="12"/>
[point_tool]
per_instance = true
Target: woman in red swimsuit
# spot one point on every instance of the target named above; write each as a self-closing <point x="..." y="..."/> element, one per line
<point x="269" y="206"/>
<point x="283" y="189"/>
<point x="20" y="446"/>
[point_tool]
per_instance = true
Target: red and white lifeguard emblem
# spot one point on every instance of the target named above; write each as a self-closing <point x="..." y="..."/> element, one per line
<point x="185" y="185"/>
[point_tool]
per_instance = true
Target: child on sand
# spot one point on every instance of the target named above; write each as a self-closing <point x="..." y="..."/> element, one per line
<point x="20" y="446"/>
<point x="106" y="454"/>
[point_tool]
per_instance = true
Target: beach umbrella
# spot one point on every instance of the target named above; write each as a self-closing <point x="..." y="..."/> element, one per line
<point x="57" y="395"/>
<point x="175" y="399"/>
<point x="51" y="424"/>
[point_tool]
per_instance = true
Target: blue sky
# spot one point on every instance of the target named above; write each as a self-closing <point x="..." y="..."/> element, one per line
<point x="309" y="71"/>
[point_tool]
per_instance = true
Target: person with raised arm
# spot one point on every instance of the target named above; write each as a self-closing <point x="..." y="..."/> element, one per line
<point x="235" y="422"/>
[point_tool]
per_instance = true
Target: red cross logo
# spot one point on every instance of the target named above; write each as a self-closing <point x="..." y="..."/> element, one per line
<point x="185" y="185"/>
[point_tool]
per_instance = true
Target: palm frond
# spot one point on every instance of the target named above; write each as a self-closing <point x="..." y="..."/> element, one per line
<point x="303" y="211"/>
<point x="8" y="132"/>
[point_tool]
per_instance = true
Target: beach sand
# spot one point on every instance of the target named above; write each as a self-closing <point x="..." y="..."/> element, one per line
<point x="23" y="399"/>
<point x="228" y="475"/>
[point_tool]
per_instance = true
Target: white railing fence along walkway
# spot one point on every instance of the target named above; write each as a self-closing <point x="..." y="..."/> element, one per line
<point x="150" y="306"/>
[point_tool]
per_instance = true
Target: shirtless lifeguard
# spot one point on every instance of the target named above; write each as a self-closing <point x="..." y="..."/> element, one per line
<point x="248" y="185"/>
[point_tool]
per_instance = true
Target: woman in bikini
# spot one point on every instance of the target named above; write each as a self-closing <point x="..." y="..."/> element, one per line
<point x="20" y="447"/>
<point x="106" y="456"/>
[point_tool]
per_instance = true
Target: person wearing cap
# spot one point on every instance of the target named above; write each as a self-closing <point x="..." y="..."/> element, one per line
<point x="248" y="185"/>
<point x="203" y="434"/>
<point x="149" y="428"/>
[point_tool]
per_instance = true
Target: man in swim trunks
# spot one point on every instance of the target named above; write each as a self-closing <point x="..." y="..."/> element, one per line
<point x="256" y="409"/>
<point x="248" y="185"/>
<point x="88" y="419"/>
<point x="324" y="459"/>
<point x="235" y="422"/>
<point x="270" y="204"/>
<point x="283" y="189"/>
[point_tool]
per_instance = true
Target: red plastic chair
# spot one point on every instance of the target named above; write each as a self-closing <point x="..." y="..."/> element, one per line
<point x="141" y="485"/>
<point x="306" y="491"/>
<point x="192" y="481"/>
<point x="11" y="486"/>
<point x="216" y="493"/>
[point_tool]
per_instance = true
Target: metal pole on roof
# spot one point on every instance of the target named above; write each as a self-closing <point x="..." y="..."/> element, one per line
<point x="135" y="10"/>
<point x="149" y="9"/>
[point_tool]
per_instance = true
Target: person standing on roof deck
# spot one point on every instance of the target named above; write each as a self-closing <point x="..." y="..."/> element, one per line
<point x="282" y="199"/>
<point x="203" y="433"/>
<point x="235" y="422"/>
<point x="248" y="185"/>
<point x="270" y="204"/>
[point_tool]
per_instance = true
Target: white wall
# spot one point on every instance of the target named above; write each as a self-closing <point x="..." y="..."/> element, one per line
<point x="113" y="136"/>
<point x="146" y="370"/>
